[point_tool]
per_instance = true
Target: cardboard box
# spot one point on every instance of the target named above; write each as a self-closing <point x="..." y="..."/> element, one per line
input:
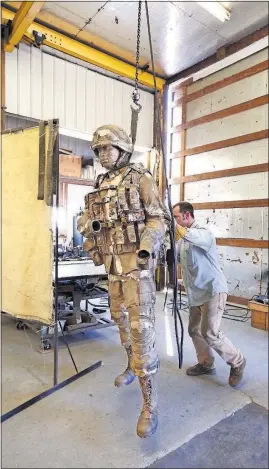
<point x="70" y="165"/>
<point x="259" y="315"/>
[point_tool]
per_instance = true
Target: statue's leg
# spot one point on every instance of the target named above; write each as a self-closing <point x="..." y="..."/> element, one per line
<point x="139" y="297"/>
<point x="120" y="317"/>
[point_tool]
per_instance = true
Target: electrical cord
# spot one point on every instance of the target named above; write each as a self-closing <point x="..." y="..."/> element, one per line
<point x="184" y="303"/>
<point x="172" y="231"/>
<point x="235" y="317"/>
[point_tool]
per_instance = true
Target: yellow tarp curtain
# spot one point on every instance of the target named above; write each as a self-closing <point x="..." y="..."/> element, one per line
<point x="27" y="245"/>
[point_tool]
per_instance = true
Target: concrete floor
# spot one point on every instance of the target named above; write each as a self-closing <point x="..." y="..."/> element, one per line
<point x="92" y="424"/>
<point x="240" y="440"/>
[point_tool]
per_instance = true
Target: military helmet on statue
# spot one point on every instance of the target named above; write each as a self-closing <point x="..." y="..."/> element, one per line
<point x="115" y="136"/>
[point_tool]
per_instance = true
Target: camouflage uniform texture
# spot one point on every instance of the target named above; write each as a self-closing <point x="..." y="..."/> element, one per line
<point x="124" y="216"/>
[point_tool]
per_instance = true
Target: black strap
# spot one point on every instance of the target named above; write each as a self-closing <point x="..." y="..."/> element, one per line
<point x="99" y="180"/>
<point x="48" y="392"/>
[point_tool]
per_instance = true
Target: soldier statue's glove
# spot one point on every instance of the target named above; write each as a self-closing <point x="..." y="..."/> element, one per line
<point x="95" y="255"/>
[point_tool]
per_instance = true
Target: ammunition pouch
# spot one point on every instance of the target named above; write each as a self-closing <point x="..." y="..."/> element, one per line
<point x="90" y="247"/>
<point x="114" y="219"/>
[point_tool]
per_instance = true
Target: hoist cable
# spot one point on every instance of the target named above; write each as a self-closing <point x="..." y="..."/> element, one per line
<point x="176" y="312"/>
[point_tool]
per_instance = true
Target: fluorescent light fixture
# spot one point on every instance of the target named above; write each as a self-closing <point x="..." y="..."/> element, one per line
<point x="216" y="9"/>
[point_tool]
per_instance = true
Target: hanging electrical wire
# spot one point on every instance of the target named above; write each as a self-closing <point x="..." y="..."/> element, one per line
<point x="87" y="22"/>
<point x="134" y="121"/>
<point x="176" y="313"/>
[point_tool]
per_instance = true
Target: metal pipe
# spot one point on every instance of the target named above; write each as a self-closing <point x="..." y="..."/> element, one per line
<point x="96" y="226"/>
<point x="56" y="312"/>
<point x="3" y="88"/>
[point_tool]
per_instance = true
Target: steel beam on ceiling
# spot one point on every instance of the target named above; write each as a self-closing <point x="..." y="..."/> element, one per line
<point x="84" y="52"/>
<point x="21" y="22"/>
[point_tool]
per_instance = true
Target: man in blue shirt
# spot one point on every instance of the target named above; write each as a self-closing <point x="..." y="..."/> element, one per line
<point x="207" y="292"/>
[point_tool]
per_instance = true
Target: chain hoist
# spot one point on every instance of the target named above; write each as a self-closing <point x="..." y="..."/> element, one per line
<point x="136" y="94"/>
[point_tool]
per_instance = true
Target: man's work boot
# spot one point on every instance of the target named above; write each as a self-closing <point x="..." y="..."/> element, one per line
<point x="148" y="419"/>
<point x="236" y="374"/>
<point x="198" y="370"/>
<point x="128" y="375"/>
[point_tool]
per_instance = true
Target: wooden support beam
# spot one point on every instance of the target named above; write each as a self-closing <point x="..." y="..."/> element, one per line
<point x="230" y="142"/>
<point x="230" y="111"/>
<point x="238" y="300"/>
<point x="222" y="83"/>
<point x="184" y="83"/>
<point x="183" y="141"/>
<point x="78" y="181"/>
<point x="165" y="109"/>
<point x="256" y="168"/>
<point x="21" y="22"/>
<point x="242" y="242"/>
<point x="231" y="204"/>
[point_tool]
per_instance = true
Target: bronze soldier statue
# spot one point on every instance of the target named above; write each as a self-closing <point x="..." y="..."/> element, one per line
<point x="125" y="223"/>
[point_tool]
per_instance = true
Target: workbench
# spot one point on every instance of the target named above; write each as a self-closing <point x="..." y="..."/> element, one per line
<point x="79" y="268"/>
<point x="78" y="280"/>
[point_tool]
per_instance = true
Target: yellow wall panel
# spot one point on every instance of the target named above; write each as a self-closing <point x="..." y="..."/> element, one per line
<point x="27" y="248"/>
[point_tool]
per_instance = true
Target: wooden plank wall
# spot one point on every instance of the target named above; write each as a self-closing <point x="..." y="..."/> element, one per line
<point x="218" y="161"/>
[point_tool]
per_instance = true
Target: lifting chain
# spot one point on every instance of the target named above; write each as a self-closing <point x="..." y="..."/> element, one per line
<point x="136" y="94"/>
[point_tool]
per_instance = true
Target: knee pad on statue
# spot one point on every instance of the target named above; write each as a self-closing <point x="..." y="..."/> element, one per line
<point x="119" y="317"/>
<point x="143" y="334"/>
<point x="145" y="365"/>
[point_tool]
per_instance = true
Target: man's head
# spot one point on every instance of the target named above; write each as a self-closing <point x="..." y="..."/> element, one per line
<point x="112" y="146"/>
<point x="183" y="214"/>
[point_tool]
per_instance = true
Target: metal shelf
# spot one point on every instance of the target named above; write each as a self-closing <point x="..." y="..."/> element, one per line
<point x="79" y="181"/>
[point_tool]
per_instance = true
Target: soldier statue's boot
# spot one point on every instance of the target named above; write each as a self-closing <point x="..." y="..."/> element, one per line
<point x="148" y="419"/>
<point x="128" y="375"/>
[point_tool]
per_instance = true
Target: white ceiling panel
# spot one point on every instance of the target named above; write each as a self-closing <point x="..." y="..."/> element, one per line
<point x="183" y="33"/>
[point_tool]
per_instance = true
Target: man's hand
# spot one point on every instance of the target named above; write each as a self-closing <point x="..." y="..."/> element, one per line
<point x="180" y="232"/>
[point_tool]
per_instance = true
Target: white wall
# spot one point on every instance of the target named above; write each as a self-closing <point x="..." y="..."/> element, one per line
<point x="239" y="124"/>
<point x="244" y="268"/>
<point x="41" y="86"/>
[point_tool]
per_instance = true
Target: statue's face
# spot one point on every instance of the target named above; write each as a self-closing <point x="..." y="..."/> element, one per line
<point x="108" y="155"/>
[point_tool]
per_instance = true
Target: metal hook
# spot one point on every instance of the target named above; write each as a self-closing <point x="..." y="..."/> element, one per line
<point x="138" y="109"/>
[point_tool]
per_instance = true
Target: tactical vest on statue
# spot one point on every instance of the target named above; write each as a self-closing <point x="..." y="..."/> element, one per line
<point x="115" y="212"/>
